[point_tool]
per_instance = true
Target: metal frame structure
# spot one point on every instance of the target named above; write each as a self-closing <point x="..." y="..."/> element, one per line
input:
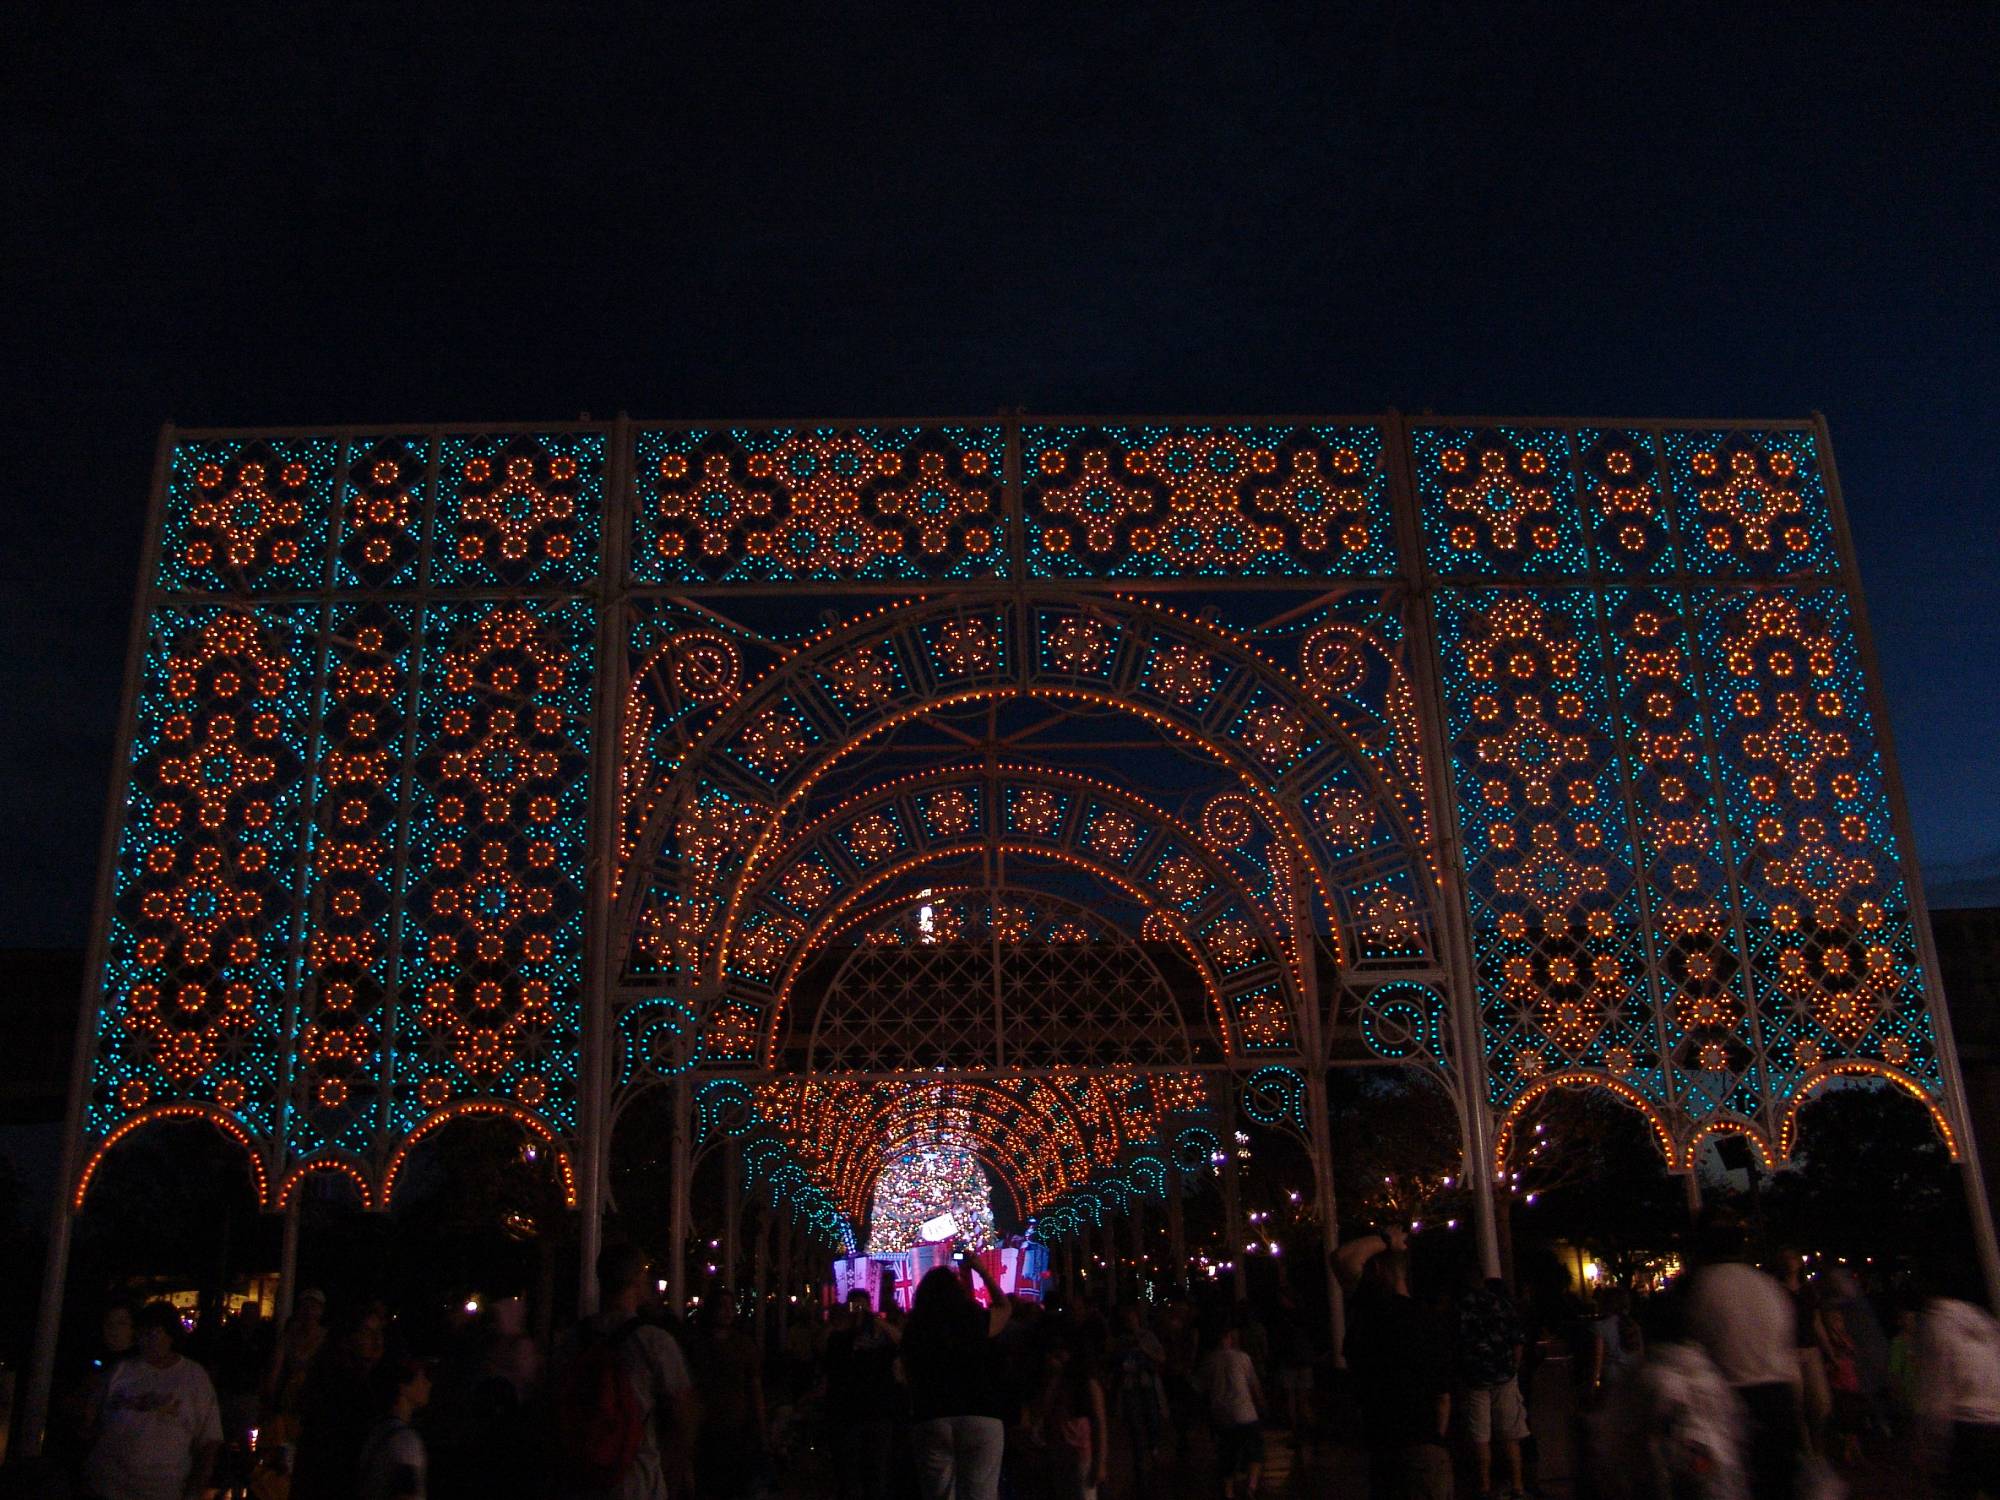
<point x="521" y="770"/>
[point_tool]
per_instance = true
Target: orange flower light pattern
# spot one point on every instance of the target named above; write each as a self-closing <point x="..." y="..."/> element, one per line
<point x="1750" y="503"/>
<point x="381" y="513"/>
<point x="518" y="510"/>
<point x="1623" y="501"/>
<point x="1816" y="828"/>
<point x="1552" y="897"/>
<point x="1679" y="846"/>
<point x="818" y="505"/>
<point x="198" y="940"/>
<point x="347" y="957"/>
<point x="501" y="931"/>
<point x="1203" y="501"/>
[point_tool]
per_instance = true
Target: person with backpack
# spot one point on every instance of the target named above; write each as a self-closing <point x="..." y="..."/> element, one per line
<point x="624" y="1406"/>
<point x="393" y="1462"/>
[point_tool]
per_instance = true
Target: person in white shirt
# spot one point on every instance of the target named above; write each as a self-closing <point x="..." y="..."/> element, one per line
<point x="1958" y="1393"/>
<point x="159" y="1428"/>
<point x="1746" y="1322"/>
<point x="1234" y="1401"/>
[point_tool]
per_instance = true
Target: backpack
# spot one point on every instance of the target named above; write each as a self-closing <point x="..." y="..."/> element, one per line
<point x="600" y="1424"/>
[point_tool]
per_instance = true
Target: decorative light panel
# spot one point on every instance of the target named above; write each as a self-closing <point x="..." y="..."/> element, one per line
<point x="1197" y="501"/>
<point x="519" y="510"/>
<point x="247" y="515"/>
<point x="819" y="505"/>
<point x="1498" y="502"/>
<point x="494" y="922"/>
<point x="205" y="890"/>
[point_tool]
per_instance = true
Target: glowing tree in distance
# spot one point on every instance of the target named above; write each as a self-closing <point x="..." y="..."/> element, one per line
<point x="918" y="1186"/>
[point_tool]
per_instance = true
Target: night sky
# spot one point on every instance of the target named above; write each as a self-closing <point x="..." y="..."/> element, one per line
<point x="749" y="211"/>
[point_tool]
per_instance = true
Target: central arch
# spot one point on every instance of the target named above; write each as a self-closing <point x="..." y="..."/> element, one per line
<point x="1041" y="1138"/>
<point x="1181" y="877"/>
<point x="733" y="794"/>
<point x="1066" y="987"/>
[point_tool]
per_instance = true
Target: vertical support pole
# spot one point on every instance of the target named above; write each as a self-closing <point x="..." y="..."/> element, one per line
<point x="1138" y="1248"/>
<point x="1477" y="1172"/>
<point x="678" y="1164"/>
<point x="732" y="1212"/>
<point x="1177" y="1269"/>
<point x="393" y="995"/>
<point x="310" y="910"/>
<point x="1107" y="1265"/>
<point x="760" y="1276"/>
<point x="1319" y="1130"/>
<point x="1972" y="1175"/>
<point x="31" y="1414"/>
<point x="1319" y="1133"/>
<point x="288" y="1258"/>
<point x="787" y="1237"/>
<point x="1468" y="1064"/>
<point x="594" y="1122"/>
<point x="1692" y="1184"/>
<point x="1232" y="1221"/>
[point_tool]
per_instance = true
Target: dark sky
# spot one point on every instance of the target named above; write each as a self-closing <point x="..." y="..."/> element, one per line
<point x="297" y="214"/>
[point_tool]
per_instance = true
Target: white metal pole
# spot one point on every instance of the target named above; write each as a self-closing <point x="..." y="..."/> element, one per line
<point x="679" y="1160"/>
<point x="1454" y="941"/>
<point x="32" y="1416"/>
<point x="288" y="1259"/>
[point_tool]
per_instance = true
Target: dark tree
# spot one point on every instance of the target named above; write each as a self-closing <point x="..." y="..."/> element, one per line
<point x="1871" y="1178"/>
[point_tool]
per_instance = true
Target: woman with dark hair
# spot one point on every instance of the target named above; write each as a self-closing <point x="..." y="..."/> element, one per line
<point x="335" y="1408"/>
<point x="957" y="1435"/>
<point x="1072" y="1421"/>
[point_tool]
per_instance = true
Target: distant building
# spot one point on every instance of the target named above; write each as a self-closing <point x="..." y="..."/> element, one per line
<point x="1968" y="950"/>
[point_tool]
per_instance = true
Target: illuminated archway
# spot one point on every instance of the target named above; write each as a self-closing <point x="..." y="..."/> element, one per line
<point x="966" y="981"/>
<point x="224" y="1123"/>
<point x="756" y="763"/>
<point x="1197" y="885"/>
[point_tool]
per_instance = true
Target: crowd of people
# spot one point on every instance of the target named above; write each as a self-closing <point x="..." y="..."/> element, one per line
<point x="1733" y="1384"/>
<point x="965" y="1393"/>
<point x="1730" y="1383"/>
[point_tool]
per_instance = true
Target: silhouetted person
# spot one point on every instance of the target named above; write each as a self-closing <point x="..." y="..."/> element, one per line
<point x="1235" y="1409"/>
<point x="392" y="1464"/>
<point x="958" y="1435"/>
<point x="729" y="1458"/>
<point x="862" y="1400"/>
<point x="1402" y="1371"/>
<point x="337" y="1407"/>
<point x="1489" y="1343"/>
